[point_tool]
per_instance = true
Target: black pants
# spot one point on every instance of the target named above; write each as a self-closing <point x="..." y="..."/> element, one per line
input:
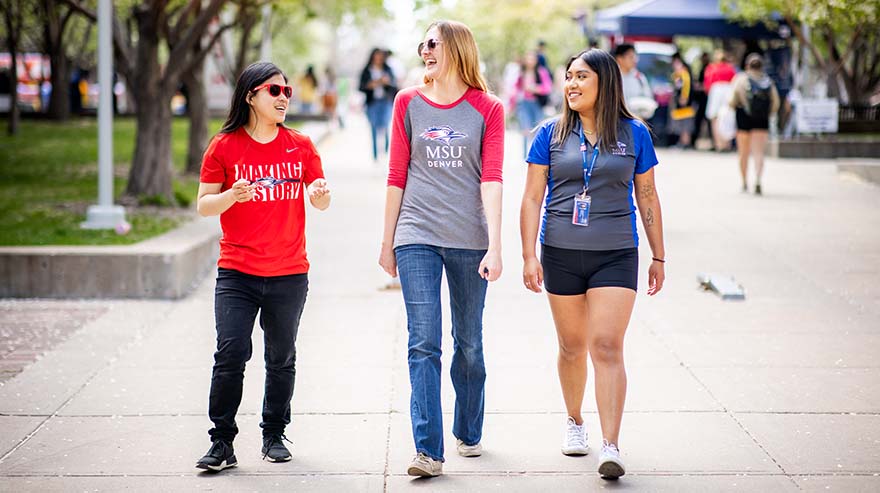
<point x="237" y="298"/>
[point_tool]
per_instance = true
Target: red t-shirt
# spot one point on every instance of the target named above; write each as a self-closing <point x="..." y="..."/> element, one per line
<point x="717" y="72"/>
<point x="265" y="236"/>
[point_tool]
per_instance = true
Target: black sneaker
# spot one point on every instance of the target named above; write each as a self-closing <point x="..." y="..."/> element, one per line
<point x="758" y="189"/>
<point x="219" y="457"/>
<point x="274" y="449"/>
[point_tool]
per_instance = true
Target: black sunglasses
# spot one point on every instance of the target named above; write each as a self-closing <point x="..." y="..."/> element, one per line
<point x="431" y="44"/>
<point x="275" y="90"/>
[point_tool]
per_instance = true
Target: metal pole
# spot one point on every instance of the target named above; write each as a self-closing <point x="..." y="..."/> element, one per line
<point x="105" y="215"/>
<point x="105" y="105"/>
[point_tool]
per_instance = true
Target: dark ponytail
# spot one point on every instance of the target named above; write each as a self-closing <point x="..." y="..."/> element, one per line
<point x="251" y="77"/>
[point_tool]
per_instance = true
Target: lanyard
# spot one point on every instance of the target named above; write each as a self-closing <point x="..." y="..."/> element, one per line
<point x="588" y="172"/>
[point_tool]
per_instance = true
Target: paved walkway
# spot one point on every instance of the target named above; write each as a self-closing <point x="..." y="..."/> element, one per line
<point x="776" y="393"/>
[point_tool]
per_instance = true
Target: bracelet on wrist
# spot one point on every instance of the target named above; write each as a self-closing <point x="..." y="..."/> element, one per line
<point x="662" y="261"/>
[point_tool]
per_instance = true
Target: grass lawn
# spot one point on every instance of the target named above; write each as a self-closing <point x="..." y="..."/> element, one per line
<point x="49" y="176"/>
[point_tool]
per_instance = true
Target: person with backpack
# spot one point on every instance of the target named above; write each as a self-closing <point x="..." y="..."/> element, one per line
<point x="755" y="99"/>
<point x="533" y="88"/>
<point x="379" y="85"/>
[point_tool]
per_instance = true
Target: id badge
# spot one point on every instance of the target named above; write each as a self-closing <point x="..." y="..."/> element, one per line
<point x="580" y="216"/>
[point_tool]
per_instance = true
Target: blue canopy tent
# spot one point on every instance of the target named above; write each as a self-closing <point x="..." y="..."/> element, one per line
<point x="667" y="18"/>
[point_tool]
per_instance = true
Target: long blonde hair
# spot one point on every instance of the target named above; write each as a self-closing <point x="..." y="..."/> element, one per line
<point x="461" y="50"/>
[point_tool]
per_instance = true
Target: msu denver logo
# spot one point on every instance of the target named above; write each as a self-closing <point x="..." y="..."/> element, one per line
<point x="443" y="134"/>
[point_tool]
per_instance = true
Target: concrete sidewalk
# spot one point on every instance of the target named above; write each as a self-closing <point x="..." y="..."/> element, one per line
<point x="776" y="393"/>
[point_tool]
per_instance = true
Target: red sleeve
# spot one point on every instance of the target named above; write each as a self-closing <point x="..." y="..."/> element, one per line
<point x="493" y="139"/>
<point x="400" y="149"/>
<point x="312" y="168"/>
<point x="212" y="163"/>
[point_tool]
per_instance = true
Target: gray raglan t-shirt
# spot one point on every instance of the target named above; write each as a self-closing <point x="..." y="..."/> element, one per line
<point x="440" y="155"/>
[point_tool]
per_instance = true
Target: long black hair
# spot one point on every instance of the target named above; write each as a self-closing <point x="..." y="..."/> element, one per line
<point x="254" y="75"/>
<point x="610" y="106"/>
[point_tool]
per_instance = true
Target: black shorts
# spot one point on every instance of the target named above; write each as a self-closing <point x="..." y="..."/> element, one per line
<point x="745" y="122"/>
<point x="568" y="272"/>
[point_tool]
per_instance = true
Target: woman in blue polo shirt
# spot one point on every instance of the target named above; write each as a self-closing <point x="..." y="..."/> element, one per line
<point x="590" y="161"/>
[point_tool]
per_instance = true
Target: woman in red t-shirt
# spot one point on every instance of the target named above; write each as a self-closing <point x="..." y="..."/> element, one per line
<point x="255" y="175"/>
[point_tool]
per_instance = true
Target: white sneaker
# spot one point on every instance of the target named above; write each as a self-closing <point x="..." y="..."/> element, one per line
<point x="575" y="440"/>
<point x="610" y="465"/>
<point x="466" y="450"/>
<point x="424" y="466"/>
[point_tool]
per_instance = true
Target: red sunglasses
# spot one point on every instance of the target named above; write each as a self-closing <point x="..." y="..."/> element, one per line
<point x="275" y="90"/>
<point x="431" y="44"/>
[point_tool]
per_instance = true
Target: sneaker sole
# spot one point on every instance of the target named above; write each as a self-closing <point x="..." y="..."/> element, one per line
<point x="418" y="472"/>
<point x="284" y="459"/>
<point x="576" y="452"/>
<point x="223" y="465"/>
<point x="611" y="470"/>
<point x="470" y="452"/>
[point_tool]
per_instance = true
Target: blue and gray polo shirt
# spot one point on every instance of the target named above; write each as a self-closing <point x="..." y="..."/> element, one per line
<point x="612" y="212"/>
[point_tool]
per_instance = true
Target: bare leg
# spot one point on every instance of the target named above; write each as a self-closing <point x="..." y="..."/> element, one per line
<point x="743" y="143"/>
<point x="720" y="143"/>
<point x="570" y="317"/>
<point x="758" y="146"/>
<point x="609" y="313"/>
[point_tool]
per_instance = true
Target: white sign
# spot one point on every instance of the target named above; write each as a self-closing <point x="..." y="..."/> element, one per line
<point x="817" y="116"/>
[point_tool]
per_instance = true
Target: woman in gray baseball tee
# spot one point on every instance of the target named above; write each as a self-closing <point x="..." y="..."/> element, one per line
<point x="443" y="213"/>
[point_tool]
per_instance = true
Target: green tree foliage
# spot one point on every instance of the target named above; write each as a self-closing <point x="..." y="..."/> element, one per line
<point x="841" y="35"/>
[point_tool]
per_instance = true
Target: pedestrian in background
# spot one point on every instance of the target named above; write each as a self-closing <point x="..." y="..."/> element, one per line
<point x="597" y="154"/>
<point x="636" y="88"/>
<point x="379" y="86"/>
<point x="255" y="175"/>
<point x="755" y="100"/>
<point x="330" y="98"/>
<point x="681" y="108"/>
<point x="716" y="82"/>
<point x="308" y="91"/>
<point x="701" y="98"/>
<point x="447" y="150"/>
<point x="532" y="90"/>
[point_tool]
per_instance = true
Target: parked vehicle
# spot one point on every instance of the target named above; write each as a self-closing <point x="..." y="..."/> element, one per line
<point x="655" y="61"/>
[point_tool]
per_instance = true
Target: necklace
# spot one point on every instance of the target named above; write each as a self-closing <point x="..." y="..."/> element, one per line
<point x="589" y="132"/>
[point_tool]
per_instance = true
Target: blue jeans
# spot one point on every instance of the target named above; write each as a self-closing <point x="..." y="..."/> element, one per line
<point x="379" y="115"/>
<point x="237" y="298"/>
<point x="421" y="269"/>
<point x="529" y="114"/>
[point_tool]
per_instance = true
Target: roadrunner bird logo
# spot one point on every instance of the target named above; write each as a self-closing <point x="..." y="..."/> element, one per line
<point x="443" y="134"/>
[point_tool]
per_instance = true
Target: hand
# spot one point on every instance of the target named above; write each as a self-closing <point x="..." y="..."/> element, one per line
<point x="388" y="261"/>
<point x="490" y="266"/>
<point x="533" y="274"/>
<point x="243" y="191"/>
<point x="656" y="276"/>
<point x="318" y="189"/>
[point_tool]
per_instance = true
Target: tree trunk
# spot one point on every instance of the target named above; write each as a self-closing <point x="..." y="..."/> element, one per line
<point x="53" y="42"/>
<point x="150" y="174"/>
<point x="59" y="100"/>
<point x="14" y="112"/>
<point x="197" y="107"/>
<point x="151" y="168"/>
<point x="12" y="40"/>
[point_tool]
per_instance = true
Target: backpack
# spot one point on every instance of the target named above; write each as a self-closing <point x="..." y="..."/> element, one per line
<point x="758" y="98"/>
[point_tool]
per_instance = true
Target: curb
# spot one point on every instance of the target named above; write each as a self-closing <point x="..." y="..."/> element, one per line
<point x="165" y="267"/>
